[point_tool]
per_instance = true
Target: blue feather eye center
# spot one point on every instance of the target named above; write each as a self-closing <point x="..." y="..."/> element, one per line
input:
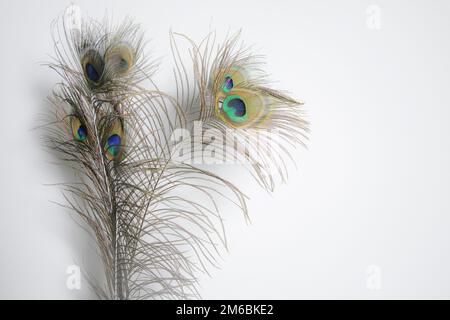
<point x="239" y="107"/>
<point x="235" y="108"/>
<point x="93" y="66"/>
<point x="92" y="73"/>
<point x="227" y="84"/>
<point x="81" y="134"/>
<point x="113" y="145"/>
<point x="123" y="64"/>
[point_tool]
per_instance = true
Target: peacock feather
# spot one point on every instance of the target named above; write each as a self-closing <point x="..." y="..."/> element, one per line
<point x="227" y="90"/>
<point x="157" y="220"/>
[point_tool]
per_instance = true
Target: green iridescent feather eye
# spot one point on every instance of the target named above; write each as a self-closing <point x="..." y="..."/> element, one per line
<point x="237" y="104"/>
<point x="115" y="142"/>
<point x="79" y="130"/>
<point x="227" y="84"/>
<point x="113" y="145"/>
<point x="243" y="109"/>
<point x="235" y="109"/>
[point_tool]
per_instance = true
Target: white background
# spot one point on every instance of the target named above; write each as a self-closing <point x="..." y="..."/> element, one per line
<point x="373" y="188"/>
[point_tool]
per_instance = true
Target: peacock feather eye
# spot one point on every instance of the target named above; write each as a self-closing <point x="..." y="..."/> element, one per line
<point x="113" y="145"/>
<point x="81" y="133"/>
<point x="115" y="141"/>
<point x="91" y="72"/>
<point x="93" y="66"/>
<point x="120" y="59"/>
<point x="244" y="108"/>
<point x="235" y="108"/>
<point x="79" y="130"/>
<point x="227" y="84"/>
